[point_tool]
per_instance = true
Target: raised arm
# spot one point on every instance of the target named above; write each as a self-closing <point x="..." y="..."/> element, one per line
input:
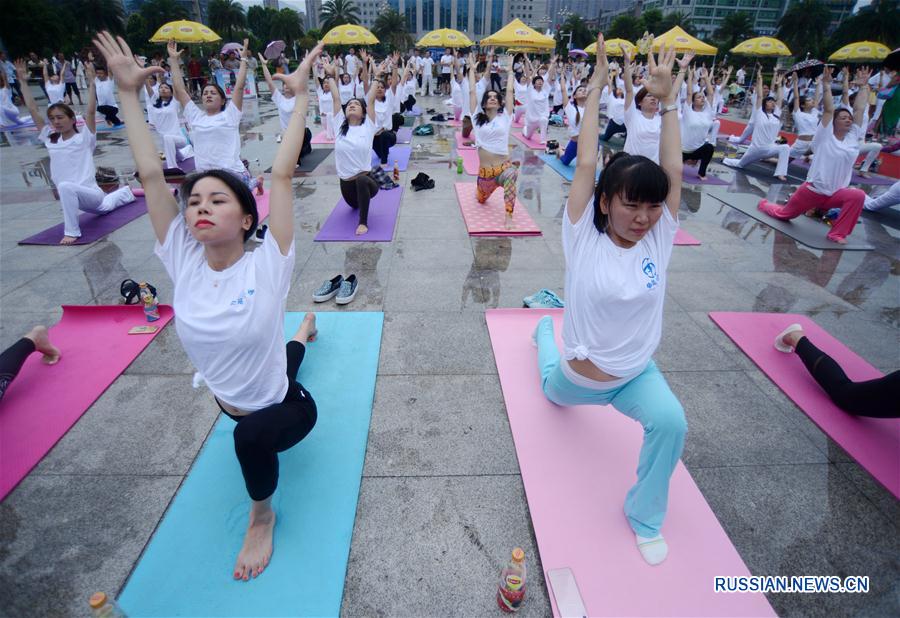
<point x="862" y="95"/>
<point x="237" y="95"/>
<point x="725" y="78"/>
<point x="711" y="91"/>
<point x="281" y="199"/>
<point x="178" y="89"/>
<point x="759" y="89"/>
<point x="370" y="105"/>
<point x="628" y="77"/>
<point x="796" y="89"/>
<point x="266" y="75"/>
<point x="586" y="168"/>
<point x="827" y="98"/>
<point x="90" y="112"/>
<point x="44" y="71"/>
<point x="779" y="91"/>
<point x="473" y="97"/>
<point x="510" y="102"/>
<point x="818" y="95"/>
<point x="30" y="103"/>
<point x="845" y="95"/>
<point x="660" y="85"/>
<point x="129" y="76"/>
<point x="330" y="72"/>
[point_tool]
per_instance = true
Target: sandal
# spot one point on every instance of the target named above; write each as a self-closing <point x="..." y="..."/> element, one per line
<point x="780" y="345"/>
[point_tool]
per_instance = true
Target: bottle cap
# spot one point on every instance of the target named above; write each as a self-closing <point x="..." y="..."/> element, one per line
<point x="98" y="599"/>
<point x="518" y="554"/>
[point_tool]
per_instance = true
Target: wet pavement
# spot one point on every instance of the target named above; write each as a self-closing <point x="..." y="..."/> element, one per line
<point x="441" y="502"/>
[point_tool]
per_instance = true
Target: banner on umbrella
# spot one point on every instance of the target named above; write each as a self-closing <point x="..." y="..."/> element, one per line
<point x="226" y="79"/>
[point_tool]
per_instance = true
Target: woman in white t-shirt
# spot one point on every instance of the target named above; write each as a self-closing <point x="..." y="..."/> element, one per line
<point x="537" y="102"/>
<point x="385" y="96"/>
<point x="614" y="97"/>
<point x="698" y="116"/>
<point x="574" y="115"/>
<point x="354" y="135"/>
<point x="215" y="129"/>
<point x="491" y="128"/>
<point x="284" y="101"/>
<point x="164" y="113"/>
<point x="836" y="144"/>
<point x="806" y="119"/>
<point x="766" y="121"/>
<point x="55" y="87"/>
<point x="229" y="304"/>
<point x="72" y="157"/>
<point x="617" y="240"/>
<point x="457" y="80"/>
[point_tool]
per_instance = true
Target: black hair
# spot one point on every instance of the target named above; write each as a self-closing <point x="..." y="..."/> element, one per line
<point x="842" y="109"/>
<point x="159" y="101"/>
<point x="766" y="100"/>
<point x="640" y="96"/>
<point x="801" y="101"/>
<point x="54" y="137"/>
<point x="345" y="126"/>
<point x="221" y="94"/>
<point x="238" y="187"/>
<point x="537" y="77"/>
<point x="481" y="118"/>
<point x="634" y="178"/>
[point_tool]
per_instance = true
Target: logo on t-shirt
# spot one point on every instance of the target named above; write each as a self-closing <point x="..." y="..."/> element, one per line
<point x="649" y="269"/>
<point x="240" y="299"/>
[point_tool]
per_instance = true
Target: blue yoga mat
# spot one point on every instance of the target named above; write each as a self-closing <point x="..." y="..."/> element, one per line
<point x="186" y="569"/>
<point x="566" y="171"/>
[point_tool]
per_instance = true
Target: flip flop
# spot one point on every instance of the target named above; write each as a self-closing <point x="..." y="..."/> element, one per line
<point x="779" y="343"/>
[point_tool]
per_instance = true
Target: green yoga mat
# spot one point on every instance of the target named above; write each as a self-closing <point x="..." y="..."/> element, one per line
<point x="186" y="569"/>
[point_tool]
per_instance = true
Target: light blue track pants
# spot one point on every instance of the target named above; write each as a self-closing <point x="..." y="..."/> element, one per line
<point x="646" y="399"/>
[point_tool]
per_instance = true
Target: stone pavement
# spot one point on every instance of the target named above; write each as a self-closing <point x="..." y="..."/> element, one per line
<point x="442" y="502"/>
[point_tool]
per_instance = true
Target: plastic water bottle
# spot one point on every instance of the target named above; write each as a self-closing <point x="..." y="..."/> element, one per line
<point x="396" y="171"/>
<point x="459" y="165"/>
<point x="104" y="607"/>
<point x="511" y="591"/>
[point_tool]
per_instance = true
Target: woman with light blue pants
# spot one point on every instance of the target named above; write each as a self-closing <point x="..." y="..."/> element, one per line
<point x="617" y="239"/>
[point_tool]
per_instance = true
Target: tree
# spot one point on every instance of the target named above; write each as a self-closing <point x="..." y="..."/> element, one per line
<point x="152" y="16"/>
<point x="259" y="20"/>
<point x="651" y="21"/>
<point x="285" y="26"/>
<point x="879" y="22"/>
<point x="91" y="16"/>
<point x="581" y="34"/>
<point x="736" y="27"/>
<point x="803" y="27"/>
<point x="337" y="13"/>
<point x="626" y="27"/>
<point x="30" y="26"/>
<point x="390" y="28"/>
<point x="677" y="18"/>
<point x="226" y="16"/>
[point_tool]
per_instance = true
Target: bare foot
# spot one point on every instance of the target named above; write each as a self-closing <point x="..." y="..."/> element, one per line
<point x="259" y="185"/>
<point x="68" y="240"/>
<point x="41" y="339"/>
<point x="838" y="239"/>
<point x="782" y="178"/>
<point x="864" y="174"/>
<point x="793" y="337"/>
<point x="257" y="549"/>
<point x="361" y="229"/>
<point x="307" y="330"/>
<point x="701" y="177"/>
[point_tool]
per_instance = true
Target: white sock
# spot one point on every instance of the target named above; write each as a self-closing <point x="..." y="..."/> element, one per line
<point x="653" y="549"/>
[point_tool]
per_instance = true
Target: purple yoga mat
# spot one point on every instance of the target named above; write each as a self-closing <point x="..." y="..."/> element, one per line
<point x="341" y="223"/>
<point x="856" y="179"/>
<point x="404" y="135"/>
<point x="93" y="227"/>
<point x="398" y="154"/>
<point x="689" y="175"/>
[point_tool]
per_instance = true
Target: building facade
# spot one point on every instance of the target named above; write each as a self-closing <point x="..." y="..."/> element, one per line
<point x="196" y="9"/>
<point x="271" y="4"/>
<point x="476" y="18"/>
<point x="313" y="7"/>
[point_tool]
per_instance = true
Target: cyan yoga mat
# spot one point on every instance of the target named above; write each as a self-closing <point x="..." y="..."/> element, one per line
<point x="566" y="171"/>
<point x="187" y="568"/>
<point x="93" y="226"/>
<point x="397" y="154"/>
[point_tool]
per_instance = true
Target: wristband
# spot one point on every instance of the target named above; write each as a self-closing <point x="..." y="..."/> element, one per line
<point x="668" y="108"/>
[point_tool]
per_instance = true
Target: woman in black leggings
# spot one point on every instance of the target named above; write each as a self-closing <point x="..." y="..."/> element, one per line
<point x="878" y="398"/>
<point x="13" y="357"/>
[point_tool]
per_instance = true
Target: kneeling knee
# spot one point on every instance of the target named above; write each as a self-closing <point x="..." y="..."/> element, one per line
<point x="670" y="420"/>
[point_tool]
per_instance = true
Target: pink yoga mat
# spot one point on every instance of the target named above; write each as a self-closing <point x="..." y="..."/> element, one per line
<point x="577" y="466"/>
<point x="489" y="219"/>
<point x="531" y="143"/>
<point x="683" y="238"/>
<point x="873" y="442"/>
<point x="471" y="162"/>
<point x="319" y="138"/>
<point x="460" y="141"/>
<point x="45" y="400"/>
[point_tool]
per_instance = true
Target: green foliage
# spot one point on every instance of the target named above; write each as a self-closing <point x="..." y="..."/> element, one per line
<point x="31" y="25"/>
<point x="581" y="34"/>
<point x="880" y="23"/>
<point x="337" y="13"/>
<point x="259" y="20"/>
<point x="736" y="27"/>
<point x="151" y="17"/>
<point x="677" y="18"/>
<point x="226" y="17"/>
<point x="625" y="27"/>
<point x="91" y="16"/>
<point x="286" y="27"/>
<point x="803" y="27"/>
<point x="390" y="28"/>
<point x="651" y="21"/>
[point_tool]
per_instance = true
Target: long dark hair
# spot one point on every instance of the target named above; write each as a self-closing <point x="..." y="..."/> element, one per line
<point x="634" y="178"/>
<point x="54" y="137"/>
<point x="766" y="100"/>
<point x="345" y="126"/>
<point x="159" y="102"/>
<point x="481" y="118"/>
<point x="221" y="94"/>
<point x="237" y="186"/>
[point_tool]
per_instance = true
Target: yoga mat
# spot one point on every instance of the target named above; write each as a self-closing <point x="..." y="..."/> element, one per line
<point x="454" y="123"/>
<point x="471" y="163"/>
<point x="855" y="179"/>
<point x="44" y="401"/>
<point x="186" y="569"/>
<point x="766" y="170"/>
<point x="20" y="126"/>
<point x="566" y="171"/>
<point x="460" y="141"/>
<point x="531" y="143"/>
<point x="803" y="229"/>
<point x="319" y="138"/>
<point x="397" y="154"/>
<point x="415" y="111"/>
<point x="489" y="219"/>
<point x="93" y="226"/>
<point x="105" y="127"/>
<point x="577" y="465"/>
<point x="310" y="162"/>
<point x="682" y="238"/>
<point x="341" y="223"/>
<point x="689" y="175"/>
<point x="404" y="135"/>
<point x="873" y="442"/>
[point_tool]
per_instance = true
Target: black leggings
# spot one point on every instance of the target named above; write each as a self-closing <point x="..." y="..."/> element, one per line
<point x="261" y="435"/>
<point x="382" y="143"/>
<point x="407" y="105"/>
<point x="11" y="361"/>
<point x="358" y="193"/>
<point x="306" y="148"/>
<point x="495" y="82"/>
<point x="612" y="128"/>
<point x="703" y="154"/>
<point x="110" y="113"/>
<point x="70" y="88"/>
<point x="877" y="398"/>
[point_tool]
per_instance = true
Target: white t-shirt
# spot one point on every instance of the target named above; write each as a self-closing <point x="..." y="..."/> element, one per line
<point x="350" y="63"/>
<point x="521" y="91"/>
<point x="347" y="91"/>
<point x="537" y="104"/>
<point x="574" y="127"/>
<point x="446" y="63"/>
<point x="426" y="63"/>
<point x="832" y="167"/>
<point x="105" y="92"/>
<point x="71" y="160"/>
<point x="353" y="152"/>
<point x="695" y="126"/>
<point x="285" y="107"/>
<point x="55" y="92"/>
<point x="165" y="117"/>
<point x="408" y="89"/>
<point x="643" y="133"/>
<point x="456" y="93"/>
<point x="384" y="110"/>
<point x="765" y="127"/>
<point x="805" y="123"/>
<point x="216" y="139"/>
<point x="150" y="99"/>
<point x="493" y="135"/>
<point x="230" y="321"/>
<point x="614" y="296"/>
<point x="615" y="109"/>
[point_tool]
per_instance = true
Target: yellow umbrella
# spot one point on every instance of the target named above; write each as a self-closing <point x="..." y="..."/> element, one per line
<point x="861" y="51"/>
<point x="445" y="37"/>
<point x="614" y="47"/>
<point x="761" y="46"/>
<point x="184" y="31"/>
<point x="349" y="35"/>
<point x="682" y="42"/>
<point x="517" y="34"/>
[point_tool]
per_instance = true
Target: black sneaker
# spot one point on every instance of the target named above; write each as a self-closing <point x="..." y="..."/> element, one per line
<point x="328" y="289"/>
<point x="348" y="290"/>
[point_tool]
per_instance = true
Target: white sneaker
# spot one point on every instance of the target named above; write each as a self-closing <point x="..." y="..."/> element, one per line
<point x="730" y="162"/>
